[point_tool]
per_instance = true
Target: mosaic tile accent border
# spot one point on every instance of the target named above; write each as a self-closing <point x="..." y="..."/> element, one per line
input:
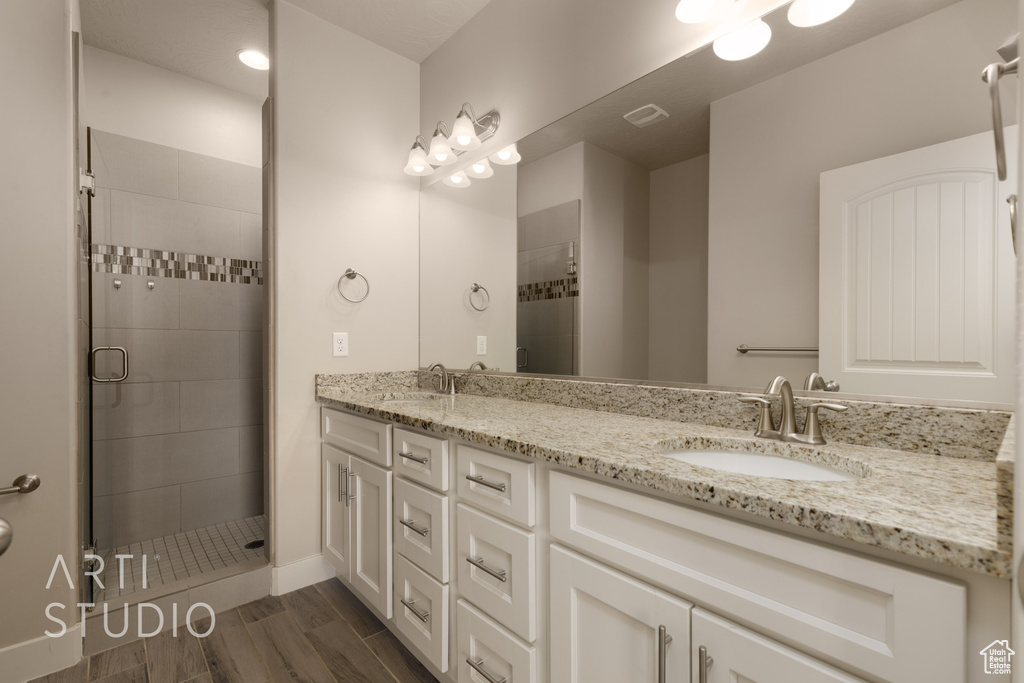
<point x="108" y="258"/>
<point x="549" y="289"/>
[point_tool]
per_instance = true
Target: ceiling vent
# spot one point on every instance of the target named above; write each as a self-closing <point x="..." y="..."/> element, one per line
<point x="647" y="115"/>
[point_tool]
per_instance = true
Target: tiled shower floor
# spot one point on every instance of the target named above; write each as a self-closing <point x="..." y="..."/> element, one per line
<point x="182" y="557"/>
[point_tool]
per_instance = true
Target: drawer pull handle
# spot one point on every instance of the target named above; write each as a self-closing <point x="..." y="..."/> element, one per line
<point x="414" y="458"/>
<point x="478" y="562"/>
<point x="663" y="640"/>
<point x="422" y="531"/>
<point x="478" y="666"/>
<point x="422" y="616"/>
<point x="483" y="482"/>
<point x="703" y="664"/>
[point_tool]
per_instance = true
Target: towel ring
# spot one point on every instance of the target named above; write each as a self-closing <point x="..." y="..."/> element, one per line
<point x="477" y="288"/>
<point x="352" y="275"/>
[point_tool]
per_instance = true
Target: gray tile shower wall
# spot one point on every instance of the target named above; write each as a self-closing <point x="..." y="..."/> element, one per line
<point x="178" y="445"/>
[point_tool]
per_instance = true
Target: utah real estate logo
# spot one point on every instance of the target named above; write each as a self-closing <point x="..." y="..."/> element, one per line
<point x="997" y="657"/>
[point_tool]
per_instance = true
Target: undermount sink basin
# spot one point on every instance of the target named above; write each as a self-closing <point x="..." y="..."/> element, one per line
<point x="761" y="465"/>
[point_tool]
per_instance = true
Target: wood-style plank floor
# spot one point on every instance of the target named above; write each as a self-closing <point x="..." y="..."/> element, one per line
<point x="319" y="634"/>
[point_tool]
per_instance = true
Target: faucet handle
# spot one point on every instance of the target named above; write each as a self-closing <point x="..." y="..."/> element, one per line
<point x="764" y="421"/>
<point x="812" y="428"/>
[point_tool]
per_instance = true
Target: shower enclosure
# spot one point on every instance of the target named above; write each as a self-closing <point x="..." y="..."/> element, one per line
<point x="176" y="364"/>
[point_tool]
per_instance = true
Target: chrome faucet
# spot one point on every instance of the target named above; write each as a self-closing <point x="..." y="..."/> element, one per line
<point x="477" y="365"/>
<point x="786" y="430"/>
<point x="443" y="374"/>
<point x="816" y="382"/>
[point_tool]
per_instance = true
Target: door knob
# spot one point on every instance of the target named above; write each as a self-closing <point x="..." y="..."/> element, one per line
<point x="6" y="535"/>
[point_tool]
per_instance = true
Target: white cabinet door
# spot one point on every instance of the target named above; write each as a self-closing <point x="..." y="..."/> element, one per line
<point x="737" y="654"/>
<point x="370" y="532"/>
<point x="335" y="539"/>
<point x="606" y="627"/>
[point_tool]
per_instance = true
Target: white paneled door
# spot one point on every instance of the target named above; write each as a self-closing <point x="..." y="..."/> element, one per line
<point x="917" y="274"/>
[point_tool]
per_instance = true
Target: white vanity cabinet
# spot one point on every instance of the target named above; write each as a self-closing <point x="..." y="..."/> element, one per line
<point x="861" y="614"/>
<point x="607" y="627"/>
<point x="356" y="533"/>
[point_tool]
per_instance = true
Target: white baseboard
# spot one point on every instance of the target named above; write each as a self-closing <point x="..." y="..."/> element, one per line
<point x="296" y="575"/>
<point x="41" y="656"/>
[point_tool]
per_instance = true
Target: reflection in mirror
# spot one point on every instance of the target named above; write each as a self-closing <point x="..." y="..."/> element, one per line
<point x="714" y="227"/>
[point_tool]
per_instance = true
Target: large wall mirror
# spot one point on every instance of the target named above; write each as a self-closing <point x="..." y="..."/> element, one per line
<point x="834" y="196"/>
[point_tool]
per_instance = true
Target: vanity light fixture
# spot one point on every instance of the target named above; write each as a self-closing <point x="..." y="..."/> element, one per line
<point x="804" y="13"/>
<point x="480" y="169"/>
<point x="745" y="41"/>
<point x="464" y="135"/>
<point x="506" y="156"/>
<point x="459" y="179"/>
<point x="254" y="59"/>
<point x="698" y="11"/>
<point x="418" y="163"/>
<point x="441" y="153"/>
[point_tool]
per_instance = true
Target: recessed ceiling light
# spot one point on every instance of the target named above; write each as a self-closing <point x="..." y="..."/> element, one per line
<point x="746" y="41"/>
<point x="805" y="13"/>
<point x="254" y="59"/>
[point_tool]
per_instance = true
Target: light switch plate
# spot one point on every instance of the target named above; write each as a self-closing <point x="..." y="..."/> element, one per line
<point x="481" y="346"/>
<point x="340" y="344"/>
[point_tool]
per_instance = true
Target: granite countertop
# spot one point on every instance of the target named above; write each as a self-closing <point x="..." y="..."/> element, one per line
<point x="938" y="508"/>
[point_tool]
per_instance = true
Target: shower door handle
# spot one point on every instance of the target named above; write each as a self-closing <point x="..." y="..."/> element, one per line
<point x="991" y="75"/>
<point x="526" y="357"/>
<point x="124" y="360"/>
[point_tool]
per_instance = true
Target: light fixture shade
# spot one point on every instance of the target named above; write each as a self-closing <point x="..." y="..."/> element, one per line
<point x="480" y="169"/>
<point x="745" y="41"/>
<point x="697" y="11"/>
<point x="440" y="153"/>
<point x="506" y="156"/>
<point x="254" y="59"/>
<point x="459" y="179"/>
<point x="805" y="13"/>
<point x="464" y="133"/>
<point x="418" y="163"/>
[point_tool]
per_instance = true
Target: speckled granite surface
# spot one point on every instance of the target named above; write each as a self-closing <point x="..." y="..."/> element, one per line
<point x="952" y="432"/>
<point x="1004" y="486"/>
<point x="942" y="509"/>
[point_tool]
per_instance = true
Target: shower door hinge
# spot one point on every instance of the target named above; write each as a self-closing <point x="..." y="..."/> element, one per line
<point x="87" y="183"/>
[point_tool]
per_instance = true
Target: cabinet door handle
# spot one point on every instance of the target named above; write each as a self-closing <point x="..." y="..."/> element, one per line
<point x="341" y="483"/>
<point x="478" y="666"/>
<point x="421" y="530"/>
<point x="500" y="486"/>
<point x="348" y="489"/>
<point x="422" y="616"/>
<point x="663" y="640"/>
<point x="414" y="458"/>
<point x="478" y="562"/>
<point x="704" y="663"/>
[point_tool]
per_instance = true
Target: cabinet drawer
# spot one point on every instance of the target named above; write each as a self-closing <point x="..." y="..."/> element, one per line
<point x="498" y="570"/>
<point x="421" y="528"/>
<point x="421" y="458"/>
<point x="421" y="611"/>
<point x="861" y="614"/>
<point x="498" y="484"/>
<point x="492" y="650"/>
<point x="360" y="436"/>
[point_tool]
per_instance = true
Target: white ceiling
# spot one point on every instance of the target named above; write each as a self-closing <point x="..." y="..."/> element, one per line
<point x="199" y="38"/>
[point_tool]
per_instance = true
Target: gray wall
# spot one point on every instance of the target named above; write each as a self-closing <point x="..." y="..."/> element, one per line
<point x="178" y="445"/>
<point x="679" y="272"/>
